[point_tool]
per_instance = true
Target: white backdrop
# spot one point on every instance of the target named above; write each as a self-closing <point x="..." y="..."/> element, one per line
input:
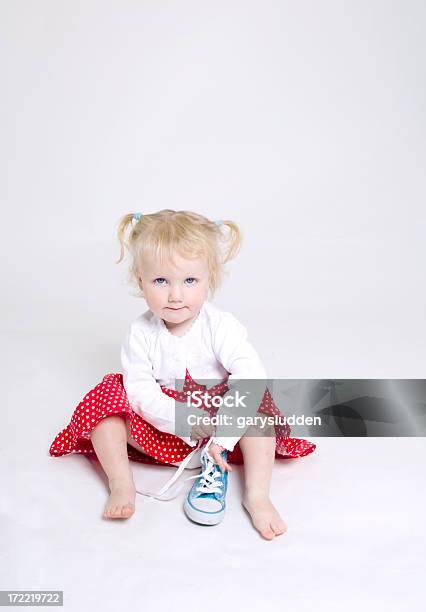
<point x="303" y="122"/>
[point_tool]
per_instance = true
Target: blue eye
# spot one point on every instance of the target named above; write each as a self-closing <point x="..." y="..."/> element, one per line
<point x="158" y="281"/>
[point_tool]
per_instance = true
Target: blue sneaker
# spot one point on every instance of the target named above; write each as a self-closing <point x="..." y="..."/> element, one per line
<point x="205" y="502"/>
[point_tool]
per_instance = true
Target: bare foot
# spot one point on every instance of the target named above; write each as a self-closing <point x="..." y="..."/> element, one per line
<point x="121" y="502"/>
<point x="264" y="516"/>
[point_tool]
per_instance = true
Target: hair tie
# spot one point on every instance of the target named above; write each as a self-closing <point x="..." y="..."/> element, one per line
<point x="137" y="216"/>
<point x="218" y="222"/>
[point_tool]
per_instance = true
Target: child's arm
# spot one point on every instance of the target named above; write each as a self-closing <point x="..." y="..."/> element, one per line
<point x="143" y="391"/>
<point x="239" y="358"/>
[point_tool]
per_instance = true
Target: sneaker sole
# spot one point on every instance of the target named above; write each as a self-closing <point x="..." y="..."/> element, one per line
<point x="203" y="518"/>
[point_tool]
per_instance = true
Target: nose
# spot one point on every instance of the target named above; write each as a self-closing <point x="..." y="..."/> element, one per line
<point x="175" y="294"/>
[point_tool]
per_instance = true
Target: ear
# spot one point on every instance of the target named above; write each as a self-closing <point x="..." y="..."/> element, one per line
<point x="140" y="284"/>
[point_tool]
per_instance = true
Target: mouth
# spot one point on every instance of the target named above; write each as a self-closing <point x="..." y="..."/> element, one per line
<point x="169" y="308"/>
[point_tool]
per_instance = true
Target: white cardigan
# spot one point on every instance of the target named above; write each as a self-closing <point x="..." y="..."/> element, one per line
<point x="216" y="344"/>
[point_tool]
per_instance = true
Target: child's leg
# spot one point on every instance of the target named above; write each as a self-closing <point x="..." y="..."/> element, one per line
<point x="109" y="439"/>
<point x="259" y="456"/>
<point x="130" y="440"/>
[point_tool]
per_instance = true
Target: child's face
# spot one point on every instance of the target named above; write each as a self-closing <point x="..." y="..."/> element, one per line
<point x="175" y="293"/>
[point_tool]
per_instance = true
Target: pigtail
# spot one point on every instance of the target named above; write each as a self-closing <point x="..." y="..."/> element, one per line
<point x="121" y="233"/>
<point x="234" y="240"/>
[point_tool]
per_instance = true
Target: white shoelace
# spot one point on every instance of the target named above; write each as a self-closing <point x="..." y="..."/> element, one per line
<point x="208" y="481"/>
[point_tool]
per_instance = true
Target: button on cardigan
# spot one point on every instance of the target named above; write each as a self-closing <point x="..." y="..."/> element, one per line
<point x="214" y="347"/>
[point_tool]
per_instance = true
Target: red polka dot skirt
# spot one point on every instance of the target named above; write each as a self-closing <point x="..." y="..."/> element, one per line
<point x="109" y="398"/>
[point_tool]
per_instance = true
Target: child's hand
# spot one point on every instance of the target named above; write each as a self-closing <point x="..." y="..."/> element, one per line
<point x="214" y="450"/>
<point x="199" y="432"/>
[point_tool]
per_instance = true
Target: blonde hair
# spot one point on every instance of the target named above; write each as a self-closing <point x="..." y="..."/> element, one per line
<point x="189" y="234"/>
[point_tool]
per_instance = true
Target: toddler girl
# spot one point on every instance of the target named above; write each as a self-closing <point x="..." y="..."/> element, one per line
<point x="178" y="257"/>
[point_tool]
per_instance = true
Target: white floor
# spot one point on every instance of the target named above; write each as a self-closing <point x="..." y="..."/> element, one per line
<point x="355" y="510"/>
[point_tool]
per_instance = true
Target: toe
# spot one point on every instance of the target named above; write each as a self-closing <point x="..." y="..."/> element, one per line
<point x="127" y="511"/>
<point x="278" y="528"/>
<point x="266" y="531"/>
